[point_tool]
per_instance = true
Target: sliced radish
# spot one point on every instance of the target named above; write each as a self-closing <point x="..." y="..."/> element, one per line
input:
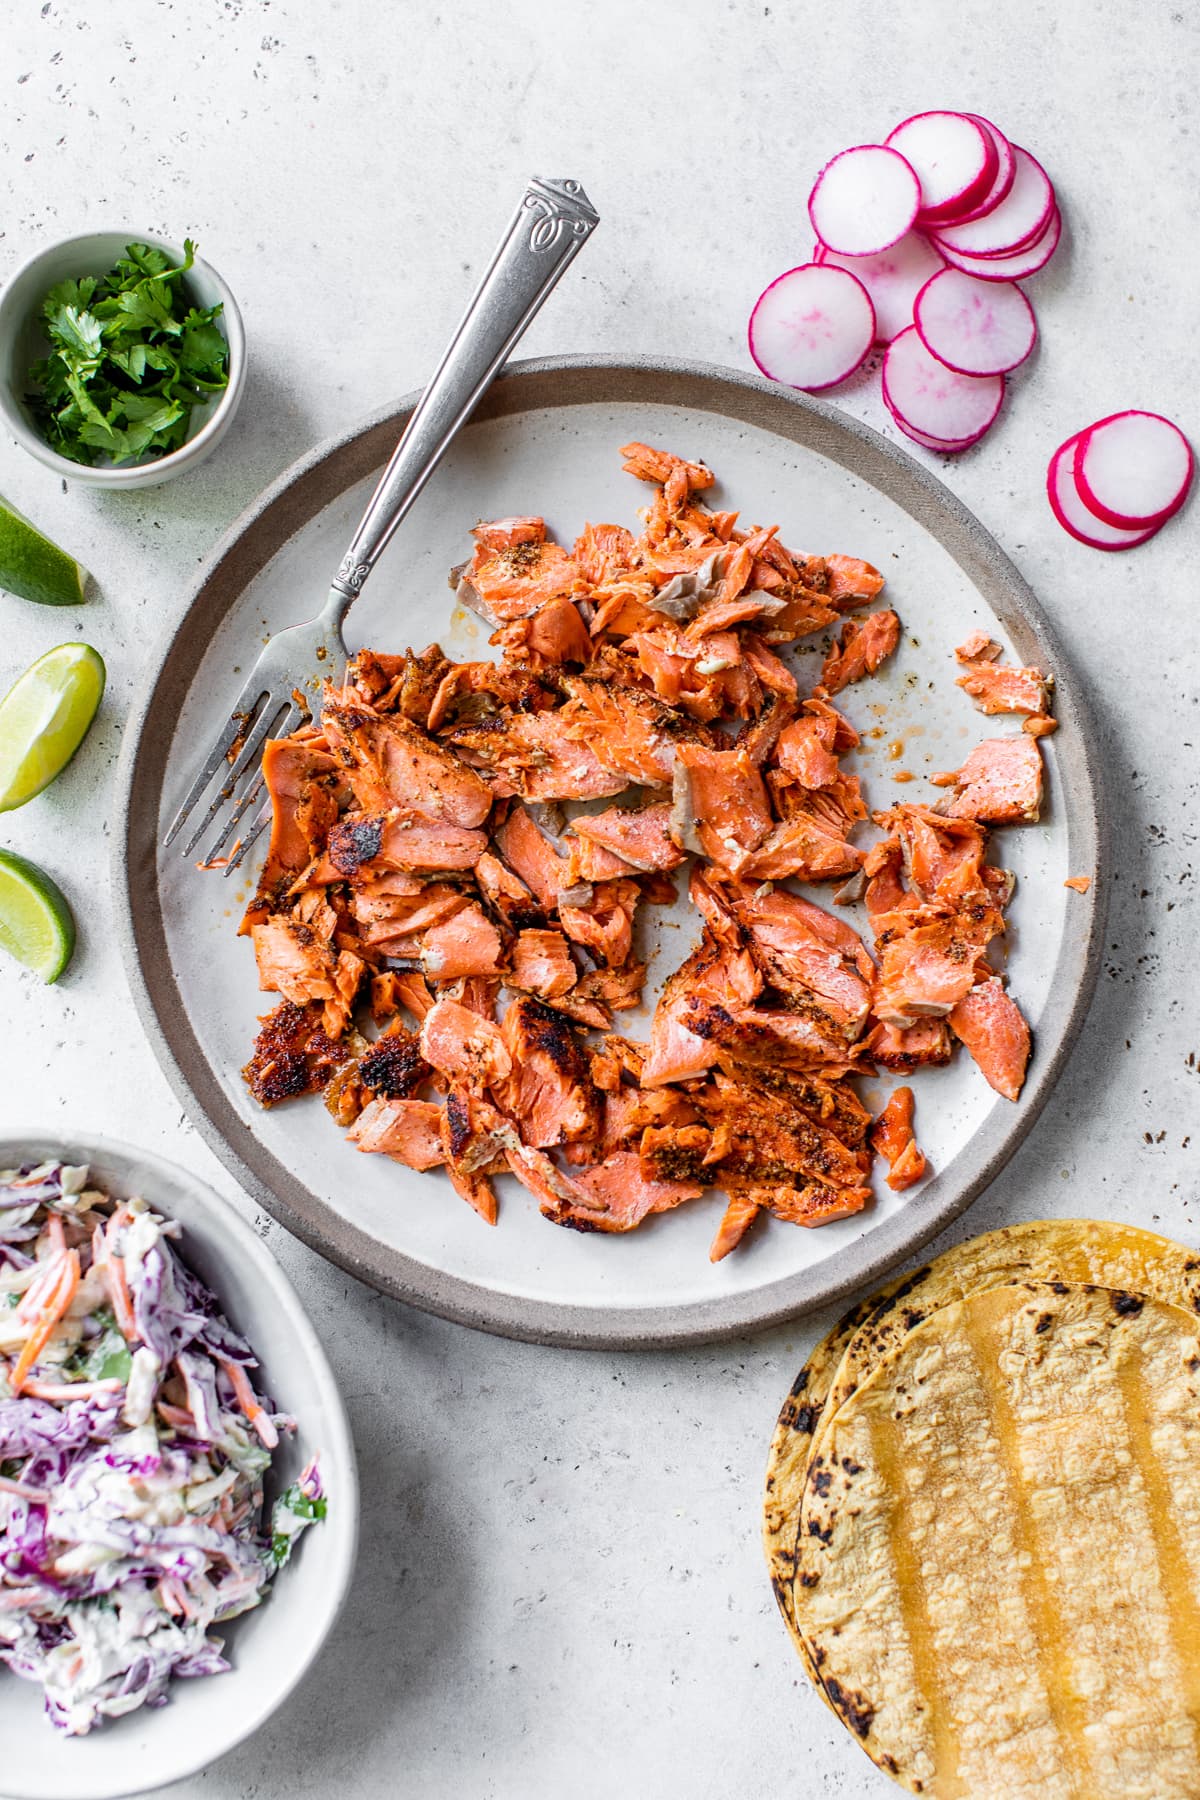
<point x="1069" y="509"/>
<point x="864" y="200"/>
<point x="943" y="446"/>
<point x="1006" y="169"/>
<point x="812" y="327"/>
<point x="974" y="327"/>
<point x="1020" y="217"/>
<point x="924" y="393"/>
<point x="954" y="157"/>
<point x="1008" y="268"/>
<point x="1134" y="469"/>
<point x="893" y="278"/>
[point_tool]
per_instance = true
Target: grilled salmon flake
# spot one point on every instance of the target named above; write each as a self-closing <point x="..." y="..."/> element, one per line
<point x="420" y="862"/>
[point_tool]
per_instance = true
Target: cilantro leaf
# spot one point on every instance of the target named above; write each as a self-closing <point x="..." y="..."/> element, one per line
<point x="131" y="356"/>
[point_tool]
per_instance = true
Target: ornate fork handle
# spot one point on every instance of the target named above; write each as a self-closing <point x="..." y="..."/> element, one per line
<point x="550" y="226"/>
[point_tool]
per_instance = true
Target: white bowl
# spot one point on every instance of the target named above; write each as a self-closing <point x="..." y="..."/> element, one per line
<point x="272" y="1648"/>
<point x="22" y="343"/>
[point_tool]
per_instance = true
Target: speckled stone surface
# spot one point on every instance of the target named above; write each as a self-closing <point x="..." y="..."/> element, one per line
<point x="561" y="1586"/>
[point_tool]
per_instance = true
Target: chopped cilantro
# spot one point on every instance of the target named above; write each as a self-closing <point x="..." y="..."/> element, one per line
<point x="130" y="357"/>
<point x="102" y="1358"/>
<point x="293" y="1510"/>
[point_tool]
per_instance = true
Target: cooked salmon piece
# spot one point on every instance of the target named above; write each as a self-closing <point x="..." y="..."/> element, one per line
<point x="549" y="1094"/>
<point x="886" y="892"/>
<point x="711" y="975"/>
<point x="306" y="787"/>
<point x="400" y="988"/>
<point x="736" y="1221"/>
<point x="458" y="1043"/>
<point x="466" y="943"/>
<point x="390" y="762"/>
<point x="892" y="1136"/>
<point x="409" y="1131"/>
<point x="625" y="729"/>
<point x="293" y="1054"/>
<point x="938" y="851"/>
<point x="809" y="845"/>
<point x="505" y="892"/>
<point x="477" y="1191"/>
<point x="553" y="635"/>
<point x="850" y="582"/>
<point x="530" y="855"/>
<point x="393" y="1067"/>
<point x="769" y="1037"/>
<point x="538" y="756"/>
<point x="589" y="863"/>
<point x="860" y="650"/>
<point x="990" y="1023"/>
<point x="603" y="922"/>
<point x="999" y="784"/>
<point x="812" y="1203"/>
<point x="616" y="1196"/>
<point x="927" y="967"/>
<point x="601" y="992"/>
<point x="642" y="839"/>
<point x="727" y="801"/>
<point x="997" y="687"/>
<point x="369" y="844"/>
<point x="384" y="916"/>
<point x="603" y="553"/>
<point x="506" y="534"/>
<point x="809" y="955"/>
<point x="293" y="961"/>
<point x="923" y="1044"/>
<point x="773" y="675"/>
<point x="507" y="581"/>
<point x="541" y="964"/>
<point x="809" y="748"/>
<point x="1039" y="727"/>
<point x="659" y="465"/>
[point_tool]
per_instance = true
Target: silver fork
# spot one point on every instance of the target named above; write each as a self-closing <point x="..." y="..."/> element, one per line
<point x="553" y="220"/>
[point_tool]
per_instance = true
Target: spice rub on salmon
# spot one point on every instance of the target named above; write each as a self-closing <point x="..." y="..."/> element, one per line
<point x="460" y="856"/>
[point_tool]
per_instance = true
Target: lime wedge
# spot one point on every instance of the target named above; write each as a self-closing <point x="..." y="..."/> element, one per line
<point x="35" y="921"/>
<point x="32" y="566"/>
<point x="44" y="718"/>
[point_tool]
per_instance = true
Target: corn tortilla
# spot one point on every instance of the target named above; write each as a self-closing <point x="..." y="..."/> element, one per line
<point x="998" y="1561"/>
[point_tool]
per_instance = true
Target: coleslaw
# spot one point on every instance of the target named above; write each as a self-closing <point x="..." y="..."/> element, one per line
<point x="133" y="1453"/>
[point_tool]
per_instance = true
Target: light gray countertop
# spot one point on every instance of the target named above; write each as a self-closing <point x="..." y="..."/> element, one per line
<point x="561" y="1586"/>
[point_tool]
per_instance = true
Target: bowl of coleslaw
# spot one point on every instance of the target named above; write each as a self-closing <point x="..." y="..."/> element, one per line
<point x="178" y="1494"/>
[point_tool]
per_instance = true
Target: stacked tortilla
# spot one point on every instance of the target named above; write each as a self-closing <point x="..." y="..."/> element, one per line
<point x="983" y="1518"/>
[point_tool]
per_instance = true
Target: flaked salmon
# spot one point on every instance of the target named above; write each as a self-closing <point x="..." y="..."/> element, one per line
<point x="991" y="1025"/>
<point x="892" y="1135"/>
<point x="860" y="650"/>
<point x="449" y="905"/>
<point x="999" y="784"/>
<point x="997" y="687"/>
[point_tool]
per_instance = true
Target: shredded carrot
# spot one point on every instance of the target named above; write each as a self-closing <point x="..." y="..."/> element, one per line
<point x="249" y="1405"/>
<point x="122" y="1301"/>
<point x="60" y="1298"/>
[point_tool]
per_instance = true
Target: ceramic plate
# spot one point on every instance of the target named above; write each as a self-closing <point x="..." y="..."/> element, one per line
<point x="272" y="1648"/>
<point x="545" y="440"/>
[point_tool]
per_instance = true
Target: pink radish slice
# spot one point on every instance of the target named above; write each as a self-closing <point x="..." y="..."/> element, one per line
<point x="974" y="327"/>
<point x="1015" y="223"/>
<point x="893" y="278"/>
<point x="1006" y="169"/>
<point x="864" y="200"/>
<point x="1133" y="469"/>
<point x="924" y="393"/>
<point x="954" y="157"/>
<point x="1068" y="507"/>
<point x="943" y="446"/>
<point x="812" y="327"/>
<point x="1008" y="268"/>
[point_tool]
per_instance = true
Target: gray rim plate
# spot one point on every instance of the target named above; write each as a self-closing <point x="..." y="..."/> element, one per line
<point x="310" y="485"/>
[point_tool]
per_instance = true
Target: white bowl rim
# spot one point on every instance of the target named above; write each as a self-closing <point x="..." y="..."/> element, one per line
<point x="96" y="1148"/>
<point x="192" y="449"/>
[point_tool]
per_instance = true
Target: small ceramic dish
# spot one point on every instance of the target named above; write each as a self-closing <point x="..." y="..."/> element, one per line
<point x="272" y="1648"/>
<point x="22" y="343"/>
